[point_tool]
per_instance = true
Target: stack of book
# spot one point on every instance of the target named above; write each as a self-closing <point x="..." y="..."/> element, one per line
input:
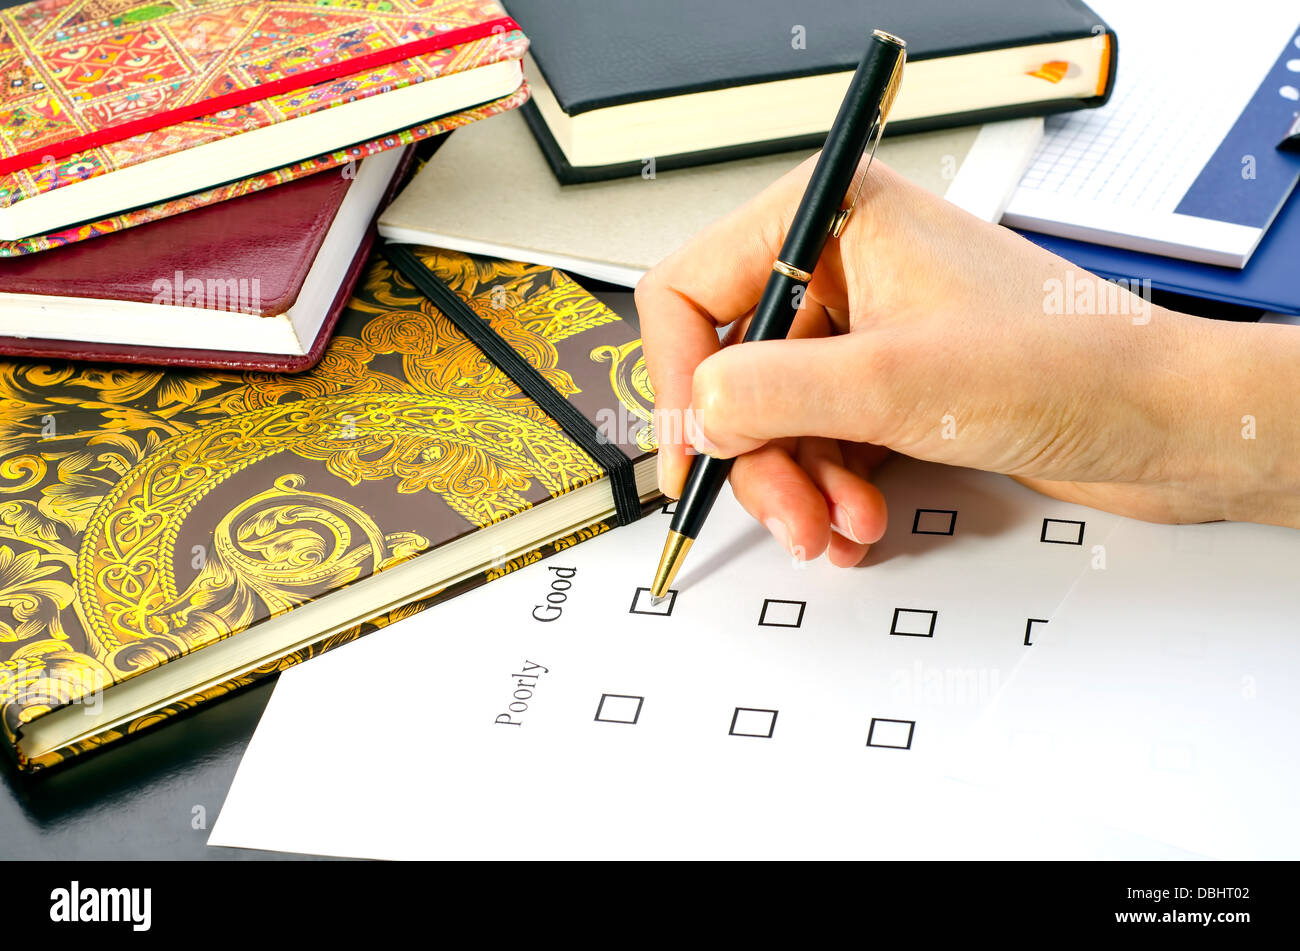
<point x="232" y="433"/>
<point x="221" y="158"/>
<point x="649" y="121"/>
<point x="224" y="414"/>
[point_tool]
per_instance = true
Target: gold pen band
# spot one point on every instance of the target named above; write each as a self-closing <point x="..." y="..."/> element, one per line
<point x="789" y="270"/>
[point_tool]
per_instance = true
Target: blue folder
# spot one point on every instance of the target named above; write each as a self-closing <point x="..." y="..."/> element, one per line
<point x="1271" y="281"/>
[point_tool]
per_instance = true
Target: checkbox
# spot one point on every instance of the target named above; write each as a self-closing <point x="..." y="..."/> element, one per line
<point x="778" y="613"/>
<point x="934" y="522"/>
<point x="619" y="708"/>
<point x="670" y="508"/>
<point x="1062" y="531"/>
<point x="747" y="721"/>
<point x="643" y="603"/>
<point x="891" y="734"/>
<point x="910" y="622"/>
<point x="1029" y="629"/>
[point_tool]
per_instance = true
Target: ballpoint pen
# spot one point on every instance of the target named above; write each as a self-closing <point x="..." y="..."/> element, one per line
<point x="822" y="214"/>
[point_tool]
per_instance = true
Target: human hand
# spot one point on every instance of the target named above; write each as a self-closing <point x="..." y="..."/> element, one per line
<point x="932" y="333"/>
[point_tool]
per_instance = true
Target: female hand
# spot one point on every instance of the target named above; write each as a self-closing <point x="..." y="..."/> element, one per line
<point x="932" y="333"/>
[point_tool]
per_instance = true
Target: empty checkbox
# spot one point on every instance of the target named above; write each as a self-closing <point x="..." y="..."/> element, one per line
<point x="670" y="508"/>
<point x="643" y="603"/>
<point x="778" y="613"/>
<point x="934" y="522"/>
<point x="1062" y="531"/>
<point x="891" y="734"/>
<point x="619" y="708"/>
<point x="1029" y="629"/>
<point x="911" y="622"/>
<point x="747" y="721"/>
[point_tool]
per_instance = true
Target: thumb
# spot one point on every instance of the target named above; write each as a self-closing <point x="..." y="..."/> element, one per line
<point x="744" y="395"/>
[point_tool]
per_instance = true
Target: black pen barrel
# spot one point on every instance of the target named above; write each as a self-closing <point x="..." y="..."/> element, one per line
<point x="703" y="483"/>
<point x="845" y="145"/>
<point x="783" y="295"/>
<point x="781" y="300"/>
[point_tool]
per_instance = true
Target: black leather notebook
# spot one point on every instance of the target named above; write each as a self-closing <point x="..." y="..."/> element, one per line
<point x="627" y="87"/>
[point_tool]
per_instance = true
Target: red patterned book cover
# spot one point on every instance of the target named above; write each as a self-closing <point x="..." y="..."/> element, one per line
<point x="211" y="196"/>
<point x="93" y="86"/>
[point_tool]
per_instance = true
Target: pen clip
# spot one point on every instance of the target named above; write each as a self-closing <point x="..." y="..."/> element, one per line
<point x="842" y="216"/>
<point x="886" y="103"/>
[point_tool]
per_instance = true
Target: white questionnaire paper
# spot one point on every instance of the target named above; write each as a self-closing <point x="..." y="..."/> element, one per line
<point x="772" y="713"/>
<point x="1164" y="697"/>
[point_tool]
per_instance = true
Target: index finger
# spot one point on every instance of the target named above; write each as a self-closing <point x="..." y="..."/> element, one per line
<point x="711" y="281"/>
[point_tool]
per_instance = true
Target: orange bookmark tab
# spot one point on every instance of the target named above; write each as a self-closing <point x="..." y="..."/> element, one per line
<point x="1053" y="72"/>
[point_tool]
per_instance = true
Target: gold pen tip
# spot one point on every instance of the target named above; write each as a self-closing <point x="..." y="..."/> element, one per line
<point x="670" y="562"/>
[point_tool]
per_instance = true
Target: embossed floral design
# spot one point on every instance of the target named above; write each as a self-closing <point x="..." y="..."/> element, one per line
<point x="31" y="597"/>
<point x="104" y="470"/>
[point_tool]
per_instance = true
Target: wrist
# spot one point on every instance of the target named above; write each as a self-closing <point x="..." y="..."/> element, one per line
<point x="1246" y="418"/>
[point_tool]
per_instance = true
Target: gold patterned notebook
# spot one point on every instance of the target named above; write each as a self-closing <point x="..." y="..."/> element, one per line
<point x="167" y="536"/>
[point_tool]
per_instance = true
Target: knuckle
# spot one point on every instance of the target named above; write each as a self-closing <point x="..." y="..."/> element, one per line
<point x="643" y="291"/>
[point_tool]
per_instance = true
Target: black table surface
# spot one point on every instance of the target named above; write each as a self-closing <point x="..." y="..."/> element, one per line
<point x="136" y="799"/>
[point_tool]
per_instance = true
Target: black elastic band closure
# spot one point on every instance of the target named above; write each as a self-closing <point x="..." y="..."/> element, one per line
<point x="615" y="463"/>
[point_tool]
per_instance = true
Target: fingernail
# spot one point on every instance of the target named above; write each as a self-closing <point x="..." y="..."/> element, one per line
<point x="703" y="443"/>
<point x="842" y="523"/>
<point x="781" y="532"/>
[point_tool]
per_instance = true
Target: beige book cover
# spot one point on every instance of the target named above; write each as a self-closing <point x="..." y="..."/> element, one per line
<point x="489" y="191"/>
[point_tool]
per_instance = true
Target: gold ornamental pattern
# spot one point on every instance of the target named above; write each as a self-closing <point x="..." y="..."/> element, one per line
<point x="630" y="381"/>
<point x="108" y="474"/>
<point x="335" y="640"/>
<point x="536" y="309"/>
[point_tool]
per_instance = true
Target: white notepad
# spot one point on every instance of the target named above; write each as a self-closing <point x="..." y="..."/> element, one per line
<point x="1116" y="175"/>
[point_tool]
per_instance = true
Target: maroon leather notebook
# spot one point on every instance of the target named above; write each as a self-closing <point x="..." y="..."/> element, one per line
<point x="272" y="235"/>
